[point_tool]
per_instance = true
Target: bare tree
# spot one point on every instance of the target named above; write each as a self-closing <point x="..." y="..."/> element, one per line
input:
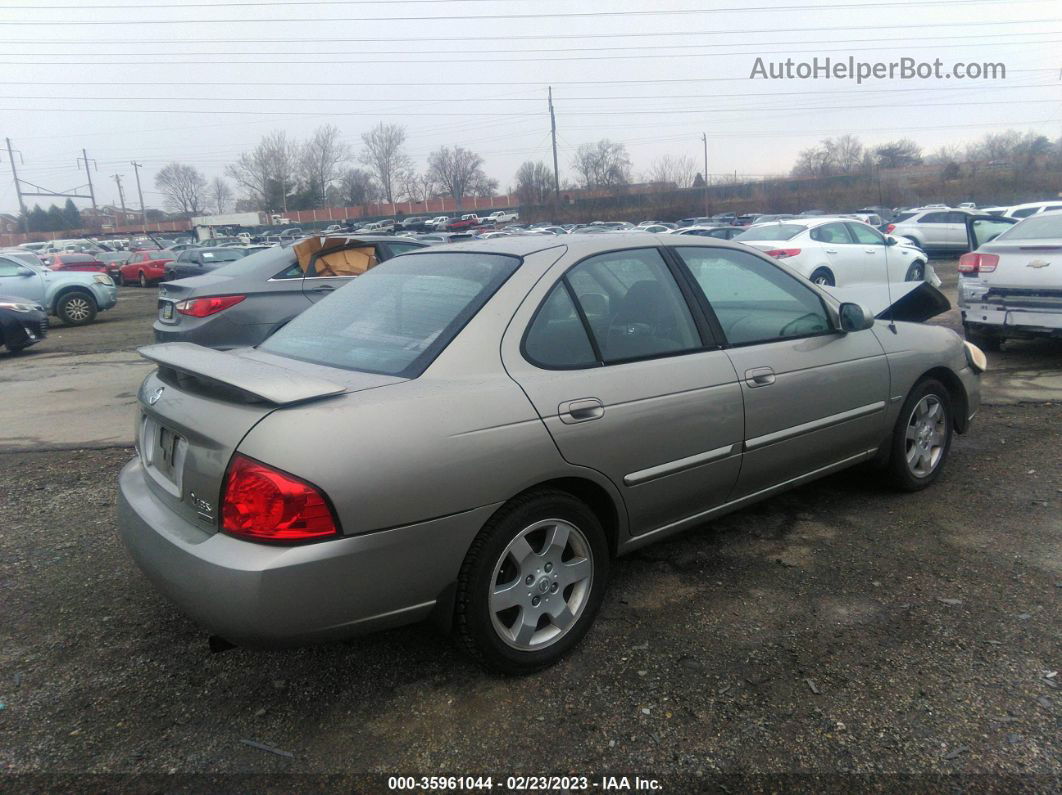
<point x="678" y="170"/>
<point x="384" y="155"/>
<point x="419" y="187"/>
<point x="898" y="154"/>
<point x="220" y="194"/>
<point x="458" y="171"/>
<point x="846" y="153"/>
<point x="483" y="187"/>
<point x="604" y="164"/>
<point x="320" y="159"/>
<point x="357" y="187"/>
<point x="183" y="187"/>
<point x="534" y="183"/>
<point x="267" y="172"/>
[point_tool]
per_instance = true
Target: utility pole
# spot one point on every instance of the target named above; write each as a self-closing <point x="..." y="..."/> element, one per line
<point x="704" y="137"/>
<point x="88" y="171"/>
<point x="143" y="213"/>
<point x="121" y="195"/>
<point x="18" y="187"/>
<point x="553" y="132"/>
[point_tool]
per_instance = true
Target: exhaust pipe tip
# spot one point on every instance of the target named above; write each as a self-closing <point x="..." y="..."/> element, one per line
<point x="218" y="644"/>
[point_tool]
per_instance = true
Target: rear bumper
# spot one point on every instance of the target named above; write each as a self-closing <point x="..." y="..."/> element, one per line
<point x="1018" y="311"/>
<point x="260" y="595"/>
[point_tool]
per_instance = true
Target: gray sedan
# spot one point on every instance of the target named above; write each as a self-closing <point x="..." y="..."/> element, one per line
<point x="471" y="433"/>
<point x="242" y="303"/>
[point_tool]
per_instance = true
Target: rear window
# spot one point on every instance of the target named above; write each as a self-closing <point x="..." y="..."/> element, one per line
<point x="1038" y="227"/>
<point x="771" y="232"/>
<point x="901" y="217"/>
<point x="396" y="318"/>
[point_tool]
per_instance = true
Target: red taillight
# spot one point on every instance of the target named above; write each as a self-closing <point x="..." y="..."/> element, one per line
<point x="889" y="228"/>
<point x="974" y="263"/>
<point x="260" y="503"/>
<point x="782" y="253"/>
<point x="203" y="307"/>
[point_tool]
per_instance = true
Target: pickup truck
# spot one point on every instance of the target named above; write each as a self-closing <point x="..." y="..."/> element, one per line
<point x="464" y="222"/>
<point x="503" y="217"/>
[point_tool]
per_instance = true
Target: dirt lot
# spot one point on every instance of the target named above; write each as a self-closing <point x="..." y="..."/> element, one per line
<point x="839" y="629"/>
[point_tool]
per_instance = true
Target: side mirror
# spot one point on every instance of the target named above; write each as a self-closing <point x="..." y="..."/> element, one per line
<point x="24" y="271"/>
<point x="854" y="317"/>
<point x="890" y="240"/>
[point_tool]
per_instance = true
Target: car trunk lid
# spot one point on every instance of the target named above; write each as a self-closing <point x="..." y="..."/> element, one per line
<point x="199" y="405"/>
<point x="1030" y="265"/>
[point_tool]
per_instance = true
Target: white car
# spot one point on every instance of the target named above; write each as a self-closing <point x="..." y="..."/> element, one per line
<point x="1011" y="284"/>
<point x="501" y="217"/>
<point x="1032" y="208"/>
<point x="834" y="251"/>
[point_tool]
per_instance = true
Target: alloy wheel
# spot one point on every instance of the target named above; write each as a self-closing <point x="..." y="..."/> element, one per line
<point x="926" y="436"/>
<point x="541" y="584"/>
<point x="77" y="309"/>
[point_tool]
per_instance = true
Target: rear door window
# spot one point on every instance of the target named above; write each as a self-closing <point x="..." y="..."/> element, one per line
<point x="557" y="338"/>
<point x="633" y="305"/>
<point x="934" y="218"/>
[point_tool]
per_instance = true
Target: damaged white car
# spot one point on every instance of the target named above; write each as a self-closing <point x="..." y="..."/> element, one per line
<point x="1010" y="285"/>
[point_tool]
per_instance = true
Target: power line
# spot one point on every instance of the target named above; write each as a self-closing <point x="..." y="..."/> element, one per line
<point x="551" y="36"/>
<point x="626" y="47"/>
<point x="549" y="15"/>
<point x="418" y="83"/>
<point x="420" y="114"/>
<point x="640" y="97"/>
<point x="797" y="47"/>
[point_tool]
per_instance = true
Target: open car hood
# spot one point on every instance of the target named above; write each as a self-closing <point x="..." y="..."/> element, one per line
<point x="913" y="302"/>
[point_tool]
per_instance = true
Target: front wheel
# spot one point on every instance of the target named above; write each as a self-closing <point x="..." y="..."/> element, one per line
<point x="823" y="278"/>
<point x="119" y="279"/>
<point x="532" y="582"/>
<point x="76" y="309"/>
<point x="142" y="279"/>
<point x="917" y="272"/>
<point x="921" y="439"/>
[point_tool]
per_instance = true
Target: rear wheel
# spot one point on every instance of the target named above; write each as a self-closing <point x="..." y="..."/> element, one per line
<point x="142" y="279"/>
<point x="921" y="439"/>
<point x="532" y="582"/>
<point x="119" y="279"/>
<point x="917" y="272"/>
<point x="76" y="309"/>
<point x="823" y="277"/>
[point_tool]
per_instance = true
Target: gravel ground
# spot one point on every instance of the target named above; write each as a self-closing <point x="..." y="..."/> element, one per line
<point x="840" y="630"/>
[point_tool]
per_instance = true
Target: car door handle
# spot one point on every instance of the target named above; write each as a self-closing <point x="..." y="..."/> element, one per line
<point x="759" y="376"/>
<point x="323" y="287"/>
<point x="871" y="250"/>
<point x="831" y="251"/>
<point x="581" y="410"/>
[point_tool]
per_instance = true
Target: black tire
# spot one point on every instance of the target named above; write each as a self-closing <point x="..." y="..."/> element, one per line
<point x="823" y="277"/>
<point x="917" y="272"/>
<point x="904" y="475"/>
<point x="486" y="561"/>
<point x="119" y="279"/>
<point x="76" y="309"/>
<point x="984" y="341"/>
<point x="142" y="279"/>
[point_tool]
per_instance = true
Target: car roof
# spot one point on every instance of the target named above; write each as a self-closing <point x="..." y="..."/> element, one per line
<point x="577" y="245"/>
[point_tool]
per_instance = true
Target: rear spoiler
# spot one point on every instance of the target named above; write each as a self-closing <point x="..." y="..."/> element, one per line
<point x="262" y="380"/>
<point x="914" y="302"/>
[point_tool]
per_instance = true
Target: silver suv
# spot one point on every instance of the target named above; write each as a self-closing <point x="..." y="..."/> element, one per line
<point x="934" y="230"/>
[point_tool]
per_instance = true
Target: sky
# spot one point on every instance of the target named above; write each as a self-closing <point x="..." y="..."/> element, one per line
<point x="200" y="82"/>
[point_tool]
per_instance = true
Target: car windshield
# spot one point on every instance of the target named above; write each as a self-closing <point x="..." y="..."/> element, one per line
<point x="771" y="232"/>
<point x="1040" y="227"/>
<point x="396" y="318"/>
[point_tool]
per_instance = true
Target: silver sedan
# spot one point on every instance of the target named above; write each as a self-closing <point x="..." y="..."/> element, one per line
<point x="471" y="433"/>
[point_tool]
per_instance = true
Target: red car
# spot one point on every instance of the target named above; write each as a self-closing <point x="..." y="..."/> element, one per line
<point x="145" y="267"/>
<point x="77" y="262"/>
